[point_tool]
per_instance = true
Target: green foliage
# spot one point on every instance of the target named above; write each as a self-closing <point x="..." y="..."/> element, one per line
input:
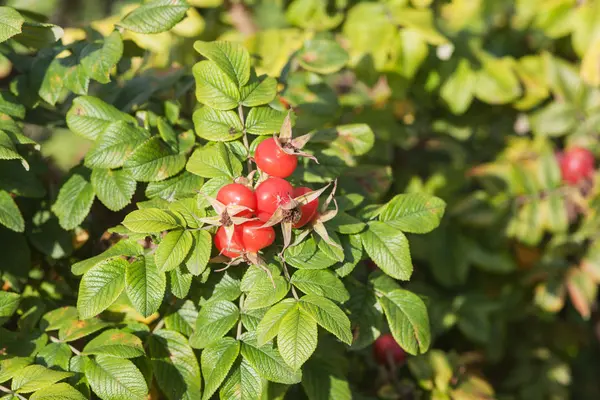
<point x="448" y="221"/>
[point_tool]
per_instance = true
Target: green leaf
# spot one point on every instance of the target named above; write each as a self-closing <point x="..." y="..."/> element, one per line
<point x="155" y="16"/>
<point x="217" y="360"/>
<point x="183" y="320"/>
<point x="354" y="139"/>
<point x="116" y="343"/>
<point x="214" y="88"/>
<point x="175" y="366"/>
<point x="413" y="212"/>
<point x="556" y="119"/>
<point x="57" y="318"/>
<point x="145" y="285"/>
<point x="39" y="35"/>
<point x="10" y="105"/>
<point x="114" y="378"/>
<point x="177" y="187"/>
<point x="268" y="327"/>
<point x="59" y="391"/>
<point x="114" y="188"/>
<point x="264" y="294"/>
<point x="353" y="251"/>
<point x="328" y="315"/>
<point x="215" y="125"/>
<point x="333" y="252"/>
<point x="459" y="89"/>
<point x="197" y="260"/>
<point x="214" y="161"/>
<point x="320" y="282"/>
<point x="151" y="220"/>
<point x="114" y="145"/>
<point x="10" y="23"/>
<point x="322" y="56"/>
<point x="8" y="151"/>
<point x="173" y="249"/>
<point x="388" y="248"/>
<point x="89" y="116"/>
<point x="346" y="224"/>
<point x="324" y="379"/>
<point x="297" y="337"/>
<point x="99" y="58"/>
<point x="408" y="320"/>
<point x="55" y="355"/>
<point x="497" y="82"/>
<point x="128" y="248"/>
<point x="243" y="383"/>
<point x="180" y="282"/>
<point x="36" y="377"/>
<point x="10" y="366"/>
<point x="154" y="160"/>
<point x="10" y="215"/>
<point x="215" y="319"/>
<point x="307" y="255"/>
<point x="74" y="330"/>
<point x="9" y="302"/>
<point x="268" y="362"/>
<point x="232" y="58"/>
<point x="264" y="121"/>
<point x="74" y="201"/>
<point x="258" y="91"/>
<point x="100" y="287"/>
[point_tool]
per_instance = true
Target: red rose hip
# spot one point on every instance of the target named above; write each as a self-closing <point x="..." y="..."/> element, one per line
<point x="270" y="194"/>
<point x="238" y="194"/>
<point x="255" y="238"/>
<point x="271" y="159"/>
<point x="385" y="347"/>
<point x="576" y="164"/>
<point x="232" y="249"/>
<point x="308" y="210"/>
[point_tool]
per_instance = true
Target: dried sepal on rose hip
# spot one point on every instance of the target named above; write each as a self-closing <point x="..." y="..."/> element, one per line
<point x="278" y="156"/>
<point x="289" y="210"/>
<point x="325" y="214"/>
<point x="234" y="205"/>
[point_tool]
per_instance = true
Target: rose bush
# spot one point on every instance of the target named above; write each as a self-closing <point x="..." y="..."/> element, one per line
<point x="299" y="199"/>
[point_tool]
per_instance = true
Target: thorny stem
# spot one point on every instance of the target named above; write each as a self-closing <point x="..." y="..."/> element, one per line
<point x="73" y="349"/>
<point x="239" y="327"/>
<point x="289" y="279"/>
<point x="7" y="390"/>
<point x="245" y="137"/>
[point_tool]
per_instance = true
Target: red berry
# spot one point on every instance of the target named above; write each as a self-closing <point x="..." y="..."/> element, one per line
<point x="270" y="194"/>
<point x="576" y="164"/>
<point x="255" y="238"/>
<point x="238" y="194"/>
<point x="271" y="159"/>
<point x="308" y="210"/>
<point x="384" y="345"/>
<point x="232" y="249"/>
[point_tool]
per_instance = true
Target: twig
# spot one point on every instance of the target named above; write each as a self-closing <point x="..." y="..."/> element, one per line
<point x="289" y="279"/>
<point x="7" y="390"/>
<point x="73" y="349"/>
<point x="242" y="19"/>
<point x="160" y="324"/>
<point x="245" y="137"/>
<point x="239" y="327"/>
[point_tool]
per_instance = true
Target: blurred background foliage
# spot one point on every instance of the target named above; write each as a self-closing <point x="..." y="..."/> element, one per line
<point x="470" y="100"/>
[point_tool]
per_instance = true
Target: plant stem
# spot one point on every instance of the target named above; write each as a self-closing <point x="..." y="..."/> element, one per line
<point x="7" y="390"/>
<point x="289" y="279"/>
<point x="73" y="349"/>
<point x="245" y="137"/>
<point x="160" y="324"/>
<point x="239" y="327"/>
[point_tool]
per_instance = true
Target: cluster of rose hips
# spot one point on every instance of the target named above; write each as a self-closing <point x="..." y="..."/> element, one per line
<point x="246" y="215"/>
<point x="576" y="165"/>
